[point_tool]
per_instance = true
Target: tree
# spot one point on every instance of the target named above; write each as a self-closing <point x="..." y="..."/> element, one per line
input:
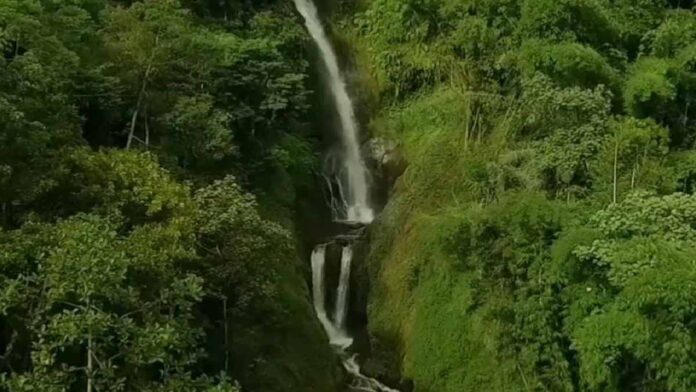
<point x="249" y="265"/>
<point x="675" y="33"/>
<point x="105" y="269"/>
<point x="640" y="334"/>
<point x="568" y="127"/>
<point x="197" y="131"/>
<point x="631" y="156"/>
<point x="92" y="324"/>
<point x="587" y="22"/>
<point x="651" y="88"/>
<point x="567" y="63"/>
<point x="146" y="41"/>
<point x="37" y="116"/>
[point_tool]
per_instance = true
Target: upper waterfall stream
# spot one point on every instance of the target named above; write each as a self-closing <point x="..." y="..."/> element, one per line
<point x="353" y="172"/>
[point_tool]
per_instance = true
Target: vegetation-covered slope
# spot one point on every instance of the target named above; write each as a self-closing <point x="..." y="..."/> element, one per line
<point x="543" y="235"/>
<point x="151" y="154"/>
<point x="542" y="238"/>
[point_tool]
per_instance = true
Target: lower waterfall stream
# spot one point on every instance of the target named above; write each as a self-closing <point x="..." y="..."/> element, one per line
<point x="335" y="328"/>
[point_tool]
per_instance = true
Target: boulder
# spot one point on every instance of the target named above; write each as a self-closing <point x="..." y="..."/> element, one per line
<point x="386" y="163"/>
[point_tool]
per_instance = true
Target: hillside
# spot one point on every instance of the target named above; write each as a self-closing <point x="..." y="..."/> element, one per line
<point x="429" y="195"/>
<point x="542" y="235"/>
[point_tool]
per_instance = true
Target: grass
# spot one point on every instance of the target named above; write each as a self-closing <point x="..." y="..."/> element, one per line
<point x="420" y="299"/>
<point x="420" y="309"/>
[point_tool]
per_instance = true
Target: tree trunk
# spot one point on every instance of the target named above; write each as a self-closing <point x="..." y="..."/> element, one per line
<point x="147" y="130"/>
<point x="227" y="343"/>
<point x="90" y="363"/>
<point x="132" y="126"/>
<point x="686" y="112"/>
<point x="141" y="94"/>
<point x="616" y="164"/>
<point x="5" y="218"/>
<point x="90" y="355"/>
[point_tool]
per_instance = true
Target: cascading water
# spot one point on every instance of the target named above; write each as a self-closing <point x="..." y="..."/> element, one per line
<point x="349" y="201"/>
<point x="360" y="381"/>
<point x="343" y="287"/>
<point x="335" y="329"/>
<point x="353" y="171"/>
<point x="337" y="336"/>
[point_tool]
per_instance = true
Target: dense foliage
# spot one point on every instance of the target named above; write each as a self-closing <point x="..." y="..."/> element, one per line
<point x="542" y="237"/>
<point x="141" y="147"/>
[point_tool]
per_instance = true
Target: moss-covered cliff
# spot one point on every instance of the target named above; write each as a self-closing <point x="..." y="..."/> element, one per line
<point x="284" y="348"/>
<point x="539" y="237"/>
<point x="425" y="318"/>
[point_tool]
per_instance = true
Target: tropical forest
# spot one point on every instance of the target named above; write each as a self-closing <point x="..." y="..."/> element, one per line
<point x="347" y="195"/>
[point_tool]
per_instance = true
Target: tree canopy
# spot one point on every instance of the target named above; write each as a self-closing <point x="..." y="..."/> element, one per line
<point x="135" y="137"/>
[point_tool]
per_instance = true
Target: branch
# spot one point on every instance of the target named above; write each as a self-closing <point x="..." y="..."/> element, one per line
<point x="141" y="95"/>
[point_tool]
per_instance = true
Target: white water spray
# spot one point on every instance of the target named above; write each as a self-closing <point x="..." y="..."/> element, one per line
<point x="354" y="171"/>
<point x="337" y="337"/>
<point x="362" y="382"/>
<point x="349" y="202"/>
<point x="343" y="287"/>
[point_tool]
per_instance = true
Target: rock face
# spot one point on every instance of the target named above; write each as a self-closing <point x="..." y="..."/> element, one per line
<point x="386" y="163"/>
<point x="386" y="158"/>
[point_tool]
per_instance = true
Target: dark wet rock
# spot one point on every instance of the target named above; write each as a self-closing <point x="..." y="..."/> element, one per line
<point x="386" y="162"/>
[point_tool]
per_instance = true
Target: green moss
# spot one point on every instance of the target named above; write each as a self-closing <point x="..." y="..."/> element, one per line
<point x="284" y="349"/>
<point x="422" y="303"/>
<point x="485" y="262"/>
<point x="447" y="341"/>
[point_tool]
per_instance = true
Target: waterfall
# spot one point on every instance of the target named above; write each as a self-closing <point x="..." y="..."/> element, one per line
<point x="337" y="337"/>
<point x="349" y="202"/>
<point x="353" y="171"/>
<point x="343" y="286"/>
<point x="362" y="382"/>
